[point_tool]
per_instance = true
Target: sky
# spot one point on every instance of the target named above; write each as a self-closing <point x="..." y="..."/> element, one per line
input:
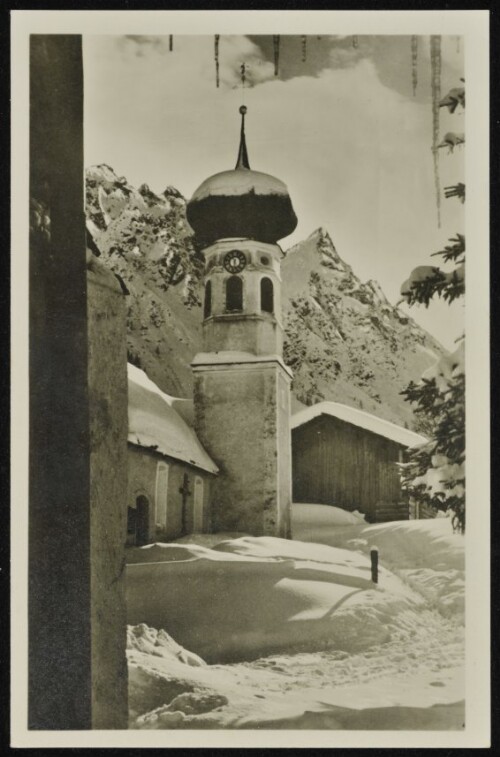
<point x="342" y="129"/>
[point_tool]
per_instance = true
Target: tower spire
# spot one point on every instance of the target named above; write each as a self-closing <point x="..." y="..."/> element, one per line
<point x="242" y="161"/>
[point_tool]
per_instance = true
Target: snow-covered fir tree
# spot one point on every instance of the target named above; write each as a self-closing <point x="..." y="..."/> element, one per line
<point x="435" y="472"/>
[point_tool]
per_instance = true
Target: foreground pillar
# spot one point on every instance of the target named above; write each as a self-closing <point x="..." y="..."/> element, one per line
<point x="77" y="431"/>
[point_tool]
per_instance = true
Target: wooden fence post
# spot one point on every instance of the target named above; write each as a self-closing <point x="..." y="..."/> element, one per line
<point x="374" y="561"/>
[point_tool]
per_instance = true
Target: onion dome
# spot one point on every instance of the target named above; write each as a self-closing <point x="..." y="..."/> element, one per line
<point x="241" y="203"/>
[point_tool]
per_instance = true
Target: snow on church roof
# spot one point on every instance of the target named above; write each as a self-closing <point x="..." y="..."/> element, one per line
<point x="154" y="423"/>
<point x="361" y="419"/>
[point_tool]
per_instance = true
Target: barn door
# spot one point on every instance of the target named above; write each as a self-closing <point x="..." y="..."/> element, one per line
<point x="198" y="505"/>
<point x="142" y="521"/>
<point x="391" y="504"/>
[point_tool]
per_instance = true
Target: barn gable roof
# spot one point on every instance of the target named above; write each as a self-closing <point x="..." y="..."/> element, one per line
<point x="361" y="419"/>
<point x="154" y="423"/>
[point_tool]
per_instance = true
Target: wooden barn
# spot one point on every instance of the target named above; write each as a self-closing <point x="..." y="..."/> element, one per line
<point x="346" y="457"/>
<point x="169" y="472"/>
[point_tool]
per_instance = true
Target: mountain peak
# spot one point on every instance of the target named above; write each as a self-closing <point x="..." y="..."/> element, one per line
<point x="343" y="339"/>
<point x="319" y="232"/>
<point x="322" y="236"/>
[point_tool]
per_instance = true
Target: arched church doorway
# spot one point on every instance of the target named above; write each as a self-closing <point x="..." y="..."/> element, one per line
<point x="131" y="525"/>
<point x="142" y="521"/>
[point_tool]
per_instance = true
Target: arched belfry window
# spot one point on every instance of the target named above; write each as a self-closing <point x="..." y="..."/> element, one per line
<point x="234" y="293"/>
<point x="207" y="308"/>
<point x="266" y="295"/>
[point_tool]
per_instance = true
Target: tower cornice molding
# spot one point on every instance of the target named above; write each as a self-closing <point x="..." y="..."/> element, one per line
<point x="237" y="361"/>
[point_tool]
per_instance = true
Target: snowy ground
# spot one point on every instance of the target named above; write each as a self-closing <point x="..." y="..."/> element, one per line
<point x="424" y="553"/>
<point x="306" y="639"/>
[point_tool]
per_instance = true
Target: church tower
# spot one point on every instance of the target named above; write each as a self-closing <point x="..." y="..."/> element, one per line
<point x="241" y="384"/>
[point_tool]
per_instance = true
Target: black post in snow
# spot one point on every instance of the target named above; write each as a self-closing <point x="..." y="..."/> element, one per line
<point x="374" y="560"/>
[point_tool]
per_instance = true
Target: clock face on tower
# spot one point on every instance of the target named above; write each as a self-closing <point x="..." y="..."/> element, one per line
<point x="234" y="261"/>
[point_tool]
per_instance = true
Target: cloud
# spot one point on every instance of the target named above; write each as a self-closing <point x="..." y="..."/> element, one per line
<point x="346" y="56"/>
<point x="235" y="50"/>
<point x="141" y="44"/>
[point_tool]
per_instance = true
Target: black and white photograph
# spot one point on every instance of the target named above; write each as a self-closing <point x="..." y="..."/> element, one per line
<point x="243" y="336"/>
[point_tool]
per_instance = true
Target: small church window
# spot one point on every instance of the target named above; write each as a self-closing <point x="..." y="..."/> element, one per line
<point x="207" y="309"/>
<point x="161" y="495"/>
<point x="198" y="505"/>
<point x="234" y="293"/>
<point x="266" y="295"/>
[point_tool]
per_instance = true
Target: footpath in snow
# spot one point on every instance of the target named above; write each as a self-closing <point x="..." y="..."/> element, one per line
<point x="296" y="634"/>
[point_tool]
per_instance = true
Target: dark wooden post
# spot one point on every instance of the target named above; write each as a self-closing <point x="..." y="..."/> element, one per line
<point x="374" y="562"/>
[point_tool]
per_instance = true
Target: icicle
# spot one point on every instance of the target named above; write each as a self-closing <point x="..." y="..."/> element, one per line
<point x="436" y="96"/>
<point x="170" y="42"/>
<point x="243" y="75"/>
<point x="276" y="46"/>
<point x="216" y="56"/>
<point x="414" y="62"/>
<point x="304" y="48"/>
<point x="354" y="40"/>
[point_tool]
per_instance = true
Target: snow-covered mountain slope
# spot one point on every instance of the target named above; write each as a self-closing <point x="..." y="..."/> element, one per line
<point x="344" y="341"/>
<point x="145" y="238"/>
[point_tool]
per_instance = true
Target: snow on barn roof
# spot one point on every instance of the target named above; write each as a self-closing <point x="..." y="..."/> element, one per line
<point x="154" y="423"/>
<point x="361" y="419"/>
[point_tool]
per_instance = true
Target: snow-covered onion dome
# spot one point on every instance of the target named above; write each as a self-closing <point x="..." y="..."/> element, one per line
<point x="241" y="203"/>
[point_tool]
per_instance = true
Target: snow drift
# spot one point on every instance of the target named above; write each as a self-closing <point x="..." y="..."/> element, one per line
<point x="251" y="596"/>
<point x="322" y="647"/>
<point x="308" y="517"/>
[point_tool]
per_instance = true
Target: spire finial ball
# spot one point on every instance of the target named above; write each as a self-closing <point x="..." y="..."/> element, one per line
<point x="243" y="109"/>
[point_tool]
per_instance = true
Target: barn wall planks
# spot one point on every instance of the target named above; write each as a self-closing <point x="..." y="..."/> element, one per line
<point x="336" y="463"/>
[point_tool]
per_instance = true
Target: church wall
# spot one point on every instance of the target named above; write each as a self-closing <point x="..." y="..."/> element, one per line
<point x="107" y="386"/>
<point x="143" y="472"/>
<point x="260" y="334"/>
<point x="285" y="459"/>
<point x="238" y="421"/>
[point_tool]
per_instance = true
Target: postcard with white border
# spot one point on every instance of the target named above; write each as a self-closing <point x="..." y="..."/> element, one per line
<point x="245" y="369"/>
